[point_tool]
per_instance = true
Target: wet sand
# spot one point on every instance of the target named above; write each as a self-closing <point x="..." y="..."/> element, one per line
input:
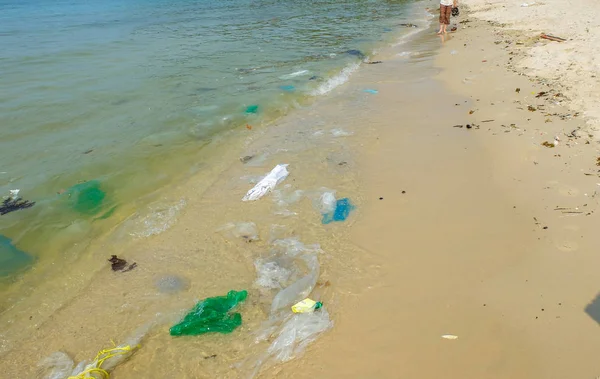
<point x="473" y="232"/>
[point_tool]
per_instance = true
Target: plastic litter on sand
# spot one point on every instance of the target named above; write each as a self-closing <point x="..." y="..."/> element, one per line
<point x="244" y="230"/>
<point x="343" y="207"/>
<point x="268" y="183"/>
<point x="213" y="314"/>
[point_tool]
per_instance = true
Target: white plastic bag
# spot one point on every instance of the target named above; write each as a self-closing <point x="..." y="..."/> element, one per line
<point x="278" y="174"/>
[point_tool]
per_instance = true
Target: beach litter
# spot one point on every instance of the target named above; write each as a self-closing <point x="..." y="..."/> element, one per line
<point x="289" y="88"/>
<point x="449" y="337"/>
<point x="552" y="38"/>
<point x="374" y="62"/>
<point x="268" y="183"/>
<point x="14" y="203"/>
<point x="252" y="109"/>
<point x="293" y="270"/>
<point x="306" y="306"/>
<point x="244" y="230"/>
<point x="86" y="197"/>
<point x="342" y="210"/>
<point x="171" y="284"/>
<point x="212" y="315"/>
<point x="118" y="264"/>
<point x="59" y="365"/>
<point x="11" y="258"/>
<point x="371" y="91"/>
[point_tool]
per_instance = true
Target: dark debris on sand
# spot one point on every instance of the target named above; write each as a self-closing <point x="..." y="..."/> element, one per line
<point x="118" y="264"/>
<point x="12" y="204"/>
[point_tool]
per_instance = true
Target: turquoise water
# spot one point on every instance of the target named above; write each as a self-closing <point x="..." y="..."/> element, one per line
<point x="128" y="92"/>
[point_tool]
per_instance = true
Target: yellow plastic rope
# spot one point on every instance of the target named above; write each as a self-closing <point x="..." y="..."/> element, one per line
<point x="100" y="358"/>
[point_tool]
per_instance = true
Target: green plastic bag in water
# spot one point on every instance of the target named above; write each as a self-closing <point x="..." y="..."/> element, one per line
<point x="212" y="315"/>
<point x="86" y="197"/>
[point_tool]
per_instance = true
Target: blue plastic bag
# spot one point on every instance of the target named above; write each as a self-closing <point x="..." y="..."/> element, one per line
<point x="342" y="210"/>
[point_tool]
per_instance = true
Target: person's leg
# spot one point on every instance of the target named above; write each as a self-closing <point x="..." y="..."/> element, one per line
<point x="447" y="15"/>
<point x="441" y="19"/>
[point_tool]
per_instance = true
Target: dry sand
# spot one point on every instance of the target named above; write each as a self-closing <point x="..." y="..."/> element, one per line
<point x="481" y="233"/>
<point x="574" y="64"/>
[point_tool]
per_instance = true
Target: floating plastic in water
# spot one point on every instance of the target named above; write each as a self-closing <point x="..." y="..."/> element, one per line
<point x="288" y="88"/>
<point x="171" y="284"/>
<point x="244" y="230"/>
<point x="252" y="109"/>
<point x="371" y="91"/>
<point x="268" y="183"/>
<point x="212" y="315"/>
<point x="343" y="207"/>
<point x="86" y="197"/>
<point x="11" y="258"/>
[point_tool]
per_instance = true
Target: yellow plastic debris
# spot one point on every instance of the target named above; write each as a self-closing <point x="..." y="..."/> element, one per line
<point x="306" y="306"/>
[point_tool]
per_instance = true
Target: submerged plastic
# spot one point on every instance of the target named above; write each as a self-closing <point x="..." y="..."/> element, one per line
<point x="244" y="230"/>
<point x="268" y="183"/>
<point x="289" y="88"/>
<point x="252" y="109"/>
<point x="212" y="315"/>
<point x="343" y="207"/>
<point x="59" y="365"/>
<point x="297" y="333"/>
<point x="86" y="197"/>
<point x="11" y="258"/>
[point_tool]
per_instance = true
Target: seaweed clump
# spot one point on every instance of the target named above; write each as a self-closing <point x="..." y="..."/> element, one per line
<point x="15" y="204"/>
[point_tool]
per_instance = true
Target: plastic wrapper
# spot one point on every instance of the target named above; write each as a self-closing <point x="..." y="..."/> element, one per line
<point x="268" y="183"/>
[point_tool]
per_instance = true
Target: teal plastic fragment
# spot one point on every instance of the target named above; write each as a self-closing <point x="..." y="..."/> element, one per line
<point x="212" y="315"/>
<point x="86" y="197"/>
<point x="289" y="88"/>
<point x="372" y="91"/>
<point x="342" y="210"/>
<point x="252" y="109"/>
<point x="12" y="259"/>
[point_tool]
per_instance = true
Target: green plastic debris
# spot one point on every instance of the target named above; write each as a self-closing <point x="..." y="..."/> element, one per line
<point x="212" y="315"/>
<point x="86" y="197"/>
<point x="252" y="109"/>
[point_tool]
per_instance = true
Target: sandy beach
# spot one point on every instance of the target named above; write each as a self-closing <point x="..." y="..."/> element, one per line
<point x="471" y="254"/>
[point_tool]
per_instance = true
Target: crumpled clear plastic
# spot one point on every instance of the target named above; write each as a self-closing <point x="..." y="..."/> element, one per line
<point x="244" y="230"/>
<point x="293" y="269"/>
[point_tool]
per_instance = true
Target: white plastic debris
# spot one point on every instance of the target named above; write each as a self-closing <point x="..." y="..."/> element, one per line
<point x="276" y="176"/>
<point x="449" y="337"/>
<point x="14" y="193"/>
<point x="341" y="132"/>
<point x="323" y="200"/>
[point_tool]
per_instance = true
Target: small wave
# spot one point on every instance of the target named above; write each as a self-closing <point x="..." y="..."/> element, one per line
<point x="336" y="80"/>
<point x="294" y="74"/>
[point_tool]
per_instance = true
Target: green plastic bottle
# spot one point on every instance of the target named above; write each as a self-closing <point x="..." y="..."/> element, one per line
<point x="212" y="315"/>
